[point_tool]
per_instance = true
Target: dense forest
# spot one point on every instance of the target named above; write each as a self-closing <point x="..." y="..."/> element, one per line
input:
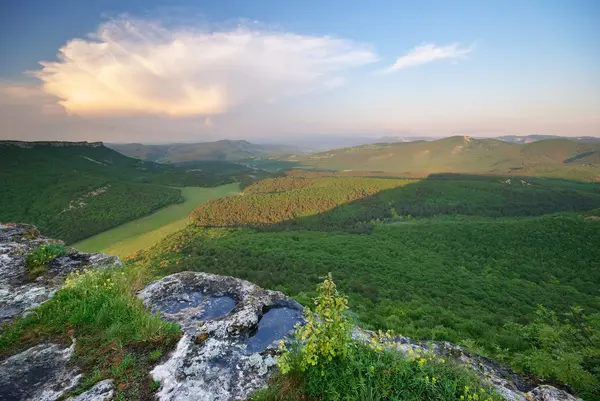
<point x="71" y="191"/>
<point x="462" y="258"/>
<point x="331" y="201"/>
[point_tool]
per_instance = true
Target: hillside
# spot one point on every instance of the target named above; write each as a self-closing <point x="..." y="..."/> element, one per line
<point x="462" y="258"/>
<point x="74" y="190"/>
<point x="224" y="150"/>
<point x="551" y="157"/>
<point x="535" y="138"/>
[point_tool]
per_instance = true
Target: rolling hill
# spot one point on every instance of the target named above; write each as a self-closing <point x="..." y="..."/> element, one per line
<point x="224" y="150"/>
<point x="535" y="138"/>
<point x="551" y="157"/>
<point x="72" y="190"/>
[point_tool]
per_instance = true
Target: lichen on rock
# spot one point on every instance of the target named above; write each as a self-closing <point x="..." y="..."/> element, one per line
<point x="18" y="293"/>
<point x="214" y="359"/>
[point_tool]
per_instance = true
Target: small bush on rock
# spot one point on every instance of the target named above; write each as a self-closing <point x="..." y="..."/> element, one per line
<point x="324" y="363"/>
<point x="325" y="335"/>
<point x="38" y="259"/>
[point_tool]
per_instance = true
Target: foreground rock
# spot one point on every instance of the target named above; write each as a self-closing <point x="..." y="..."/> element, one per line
<point x="19" y="294"/>
<point x="507" y="383"/>
<point x="231" y="328"/>
<point x="43" y="373"/>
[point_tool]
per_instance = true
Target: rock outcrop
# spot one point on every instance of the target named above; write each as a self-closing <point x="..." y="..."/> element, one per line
<point x="231" y="328"/>
<point x="19" y="294"/>
<point x="231" y="331"/>
<point x="504" y="380"/>
<point x="43" y="373"/>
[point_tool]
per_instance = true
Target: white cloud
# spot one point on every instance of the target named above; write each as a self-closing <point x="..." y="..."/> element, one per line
<point x="335" y="82"/>
<point x="131" y="66"/>
<point x="428" y="53"/>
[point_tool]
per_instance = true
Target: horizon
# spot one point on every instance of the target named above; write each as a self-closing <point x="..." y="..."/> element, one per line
<point x="266" y="72"/>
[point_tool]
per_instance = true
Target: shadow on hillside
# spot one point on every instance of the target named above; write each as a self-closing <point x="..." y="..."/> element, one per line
<point x="436" y="195"/>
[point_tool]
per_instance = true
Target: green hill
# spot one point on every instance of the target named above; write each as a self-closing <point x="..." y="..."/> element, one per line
<point x="72" y="190"/>
<point x="455" y="257"/>
<point x="459" y="154"/>
<point x="226" y="150"/>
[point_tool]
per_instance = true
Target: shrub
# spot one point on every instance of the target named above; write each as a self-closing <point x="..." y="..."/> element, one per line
<point x="325" y="335"/>
<point x="324" y="363"/>
<point x="565" y="350"/>
<point x="38" y="259"/>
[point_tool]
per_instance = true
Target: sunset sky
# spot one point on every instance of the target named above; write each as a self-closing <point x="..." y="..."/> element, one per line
<point x="152" y="71"/>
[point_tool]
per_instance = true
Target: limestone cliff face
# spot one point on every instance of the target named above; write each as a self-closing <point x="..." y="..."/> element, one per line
<point x="230" y="332"/>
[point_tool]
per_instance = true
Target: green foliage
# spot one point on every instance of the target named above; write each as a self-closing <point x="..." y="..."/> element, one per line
<point x="37" y="259"/>
<point x="321" y="202"/>
<point x="141" y="233"/>
<point x="116" y="336"/>
<point x="565" y="350"/>
<point x="452" y="277"/>
<point x="72" y="192"/>
<point x="326" y="334"/>
<point x="325" y="364"/>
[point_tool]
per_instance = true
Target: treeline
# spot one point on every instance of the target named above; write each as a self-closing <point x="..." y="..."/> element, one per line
<point x="319" y="201"/>
<point x="284" y="199"/>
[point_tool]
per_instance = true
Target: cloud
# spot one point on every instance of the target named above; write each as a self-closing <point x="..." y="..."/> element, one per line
<point x="133" y="66"/>
<point x="208" y="122"/>
<point x="428" y="53"/>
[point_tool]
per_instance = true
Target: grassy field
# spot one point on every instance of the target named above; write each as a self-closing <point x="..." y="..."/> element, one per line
<point x="141" y="233"/>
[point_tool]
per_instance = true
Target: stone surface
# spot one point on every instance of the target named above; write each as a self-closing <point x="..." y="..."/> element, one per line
<point x="101" y="391"/>
<point x="225" y="354"/>
<point x="41" y="373"/>
<point x="505" y="381"/>
<point x="19" y="294"/>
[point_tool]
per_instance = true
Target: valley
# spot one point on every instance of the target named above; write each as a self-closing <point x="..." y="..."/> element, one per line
<point x="141" y="233"/>
<point x="488" y="258"/>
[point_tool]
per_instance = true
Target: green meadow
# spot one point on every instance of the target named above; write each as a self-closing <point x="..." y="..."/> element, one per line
<point x="143" y="232"/>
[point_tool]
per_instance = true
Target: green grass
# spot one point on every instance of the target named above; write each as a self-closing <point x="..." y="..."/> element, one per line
<point x="116" y="336"/>
<point x="368" y="375"/>
<point x="143" y="232"/>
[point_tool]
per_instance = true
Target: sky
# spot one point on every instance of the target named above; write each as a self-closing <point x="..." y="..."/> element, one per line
<point x="190" y="71"/>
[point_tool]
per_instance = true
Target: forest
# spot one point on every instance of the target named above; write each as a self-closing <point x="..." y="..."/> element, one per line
<point x="469" y="259"/>
<point x="72" y="192"/>
<point x="330" y="201"/>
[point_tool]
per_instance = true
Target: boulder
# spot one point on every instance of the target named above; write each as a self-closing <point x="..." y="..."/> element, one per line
<point x="231" y="329"/>
<point x="41" y="373"/>
<point x="18" y="293"/>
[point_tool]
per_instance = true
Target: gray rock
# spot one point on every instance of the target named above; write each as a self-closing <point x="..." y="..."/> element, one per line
<point x="231" y="329"/>
<point x="101" y="391"/>
<point x="41" y="373"/>
<point x="549" y="393"/>
<point x="505" y="381"/>
<point x="17" y="293"/>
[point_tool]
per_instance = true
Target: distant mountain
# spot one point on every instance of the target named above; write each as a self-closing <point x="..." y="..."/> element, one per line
<point x="550" y="157"/>
<point x="224" y="150"/>
<point x="534" y="138"/>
